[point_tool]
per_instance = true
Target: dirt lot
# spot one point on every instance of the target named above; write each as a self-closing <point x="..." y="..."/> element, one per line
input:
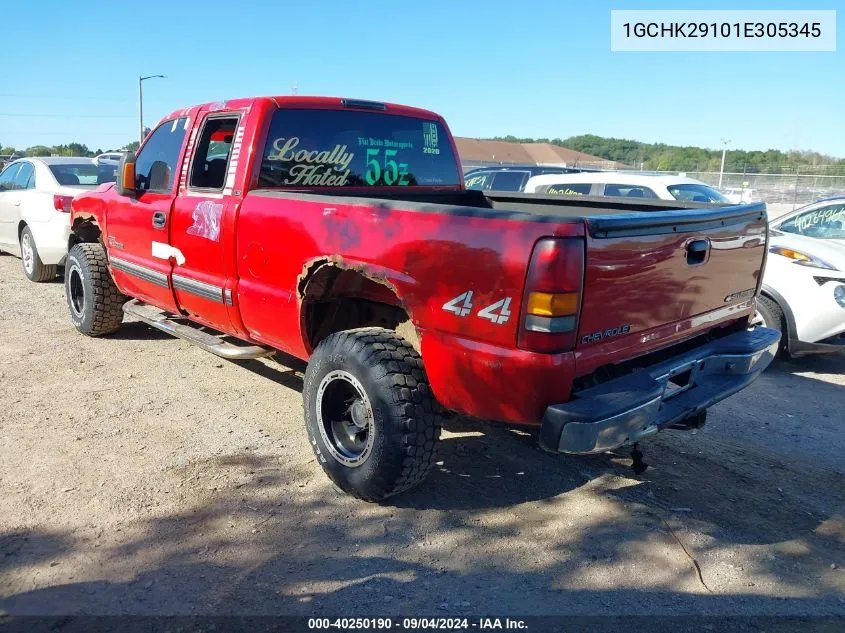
<point x="142" y="475"/>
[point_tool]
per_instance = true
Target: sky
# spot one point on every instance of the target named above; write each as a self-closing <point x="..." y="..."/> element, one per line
<point x="531" y="69"/>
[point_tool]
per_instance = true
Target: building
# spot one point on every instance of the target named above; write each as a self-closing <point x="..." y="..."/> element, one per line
<point x="475" y="152"/>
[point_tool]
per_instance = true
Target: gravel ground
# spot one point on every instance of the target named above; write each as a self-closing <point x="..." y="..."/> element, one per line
<point x="139" y="474"/>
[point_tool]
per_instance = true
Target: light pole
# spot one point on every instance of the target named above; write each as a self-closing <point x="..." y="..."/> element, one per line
<point x="722" y="168"/>
<point x="141" y="105"/>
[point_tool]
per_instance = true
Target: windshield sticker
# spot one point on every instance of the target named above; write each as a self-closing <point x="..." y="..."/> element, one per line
<point x="207" y="220"/>
<point x="564" y="191"/>
<point x="475" y="181"/>
<point x="430" y="138"/>
<point x="382" y="163"/>
<point x="312" y="166"/>
<point x="830" y="214"/>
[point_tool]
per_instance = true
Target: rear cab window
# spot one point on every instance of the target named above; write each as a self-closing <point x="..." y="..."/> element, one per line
<point x="211" y="158"/>
<point x="313" y="147"/>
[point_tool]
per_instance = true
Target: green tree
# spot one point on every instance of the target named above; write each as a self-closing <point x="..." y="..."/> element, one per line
<point x="662" y="157"/>
<point x="39" y="150"/>
<point x="131" y="147"/>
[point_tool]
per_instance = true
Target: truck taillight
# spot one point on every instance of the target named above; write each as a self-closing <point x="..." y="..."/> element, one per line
<point x="62" y="203"/>
<point x="552" y="296"/>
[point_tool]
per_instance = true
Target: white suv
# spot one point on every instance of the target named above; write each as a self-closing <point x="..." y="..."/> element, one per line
<point x="626" y="185"/>
<point x="803" y="292"/>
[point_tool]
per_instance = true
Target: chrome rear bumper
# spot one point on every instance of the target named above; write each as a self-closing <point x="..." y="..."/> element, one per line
<point x="630" y="408"/>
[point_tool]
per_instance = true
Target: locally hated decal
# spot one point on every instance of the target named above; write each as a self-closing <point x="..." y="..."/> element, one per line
<point x="312" y="167"/>
<point x="207" y="220"/>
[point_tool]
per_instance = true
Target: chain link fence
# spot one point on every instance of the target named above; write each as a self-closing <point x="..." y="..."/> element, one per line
<point x="783" y="189"/>
<point x="782" y="192"/>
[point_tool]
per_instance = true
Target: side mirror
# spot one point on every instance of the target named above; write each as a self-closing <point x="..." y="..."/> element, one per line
<point x="124" y="183"/>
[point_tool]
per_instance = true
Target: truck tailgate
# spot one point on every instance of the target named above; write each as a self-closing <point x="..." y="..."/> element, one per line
<point x="651" y="277"/>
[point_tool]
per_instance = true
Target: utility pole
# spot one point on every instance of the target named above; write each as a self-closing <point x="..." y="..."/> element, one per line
<point x="141" y="105"/>
<point x="722" y="168"/>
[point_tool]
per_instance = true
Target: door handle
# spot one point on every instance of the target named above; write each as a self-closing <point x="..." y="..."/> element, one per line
<point x="159" y="220"/>
<point x="697" y="252"/>
<point x="18" y="203"/>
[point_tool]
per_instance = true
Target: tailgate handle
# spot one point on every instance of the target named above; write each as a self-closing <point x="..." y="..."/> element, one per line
<point x="159" y="220"/>
<point x="697" y="252"/>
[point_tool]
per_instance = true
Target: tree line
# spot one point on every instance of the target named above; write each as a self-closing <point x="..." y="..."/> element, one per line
<point x="69" y="149"/>
<point x="662" y="157"/>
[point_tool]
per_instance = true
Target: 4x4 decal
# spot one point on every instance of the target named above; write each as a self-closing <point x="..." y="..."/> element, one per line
<point x="498" y="312"/>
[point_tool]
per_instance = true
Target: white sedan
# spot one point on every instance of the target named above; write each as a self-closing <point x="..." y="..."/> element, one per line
<point x="803" y="292"/>
<point x="35" y="195"/>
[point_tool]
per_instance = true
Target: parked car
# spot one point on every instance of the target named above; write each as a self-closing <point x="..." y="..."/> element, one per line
<point x="803" y="292"/>
<point x="35" y="195"/>
<point x="627" y="185"/>
<point x="509" y="177"/>
<point x="738" y="195"/>
<point x="340" y="231"/>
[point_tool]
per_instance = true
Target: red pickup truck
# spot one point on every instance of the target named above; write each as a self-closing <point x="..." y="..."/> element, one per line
<point x="339" y="231"/>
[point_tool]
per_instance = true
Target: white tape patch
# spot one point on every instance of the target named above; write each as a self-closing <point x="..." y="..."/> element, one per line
<point x="166" y="251"/>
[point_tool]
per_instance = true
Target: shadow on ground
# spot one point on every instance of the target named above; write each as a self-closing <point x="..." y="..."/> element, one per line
<point x="497" y="528"/>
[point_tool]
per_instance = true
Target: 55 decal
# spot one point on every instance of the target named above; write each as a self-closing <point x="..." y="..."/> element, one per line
<point x="498" y="312"/>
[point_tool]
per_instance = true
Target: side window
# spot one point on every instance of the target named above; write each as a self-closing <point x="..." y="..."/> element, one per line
<point x="477" y="181"/>
<point x="508" y="180"/>
<point x="25" y="178"/>
<point x="569" y="189"/>
<point x="212" y="153"/>
<point x="157" y="164"/>
<point x="824" y="222"/>
<point x="7" y="178"/>
<point x="629" y="191"/>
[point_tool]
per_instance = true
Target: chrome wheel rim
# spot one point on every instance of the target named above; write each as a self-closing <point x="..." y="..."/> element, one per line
<point x="345" y="418"/>
<point x="76" y="291"/>
<point x="27" y="253"/>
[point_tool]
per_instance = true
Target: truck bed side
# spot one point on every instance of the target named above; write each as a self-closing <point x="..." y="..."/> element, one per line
<point x="424" y="254"/>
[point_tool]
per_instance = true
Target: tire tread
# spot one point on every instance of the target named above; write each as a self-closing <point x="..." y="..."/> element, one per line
<point x="107" y="300"/>
<point x="397" y="365"/>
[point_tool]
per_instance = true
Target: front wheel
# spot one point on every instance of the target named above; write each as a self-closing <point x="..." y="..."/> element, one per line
<point x="33" y="267"/>
<point x="371" y="417"/>
<point x="770" y="315"/>
<point x="96" y="305"/>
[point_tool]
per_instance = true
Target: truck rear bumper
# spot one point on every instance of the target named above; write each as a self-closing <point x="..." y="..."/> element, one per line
<point x="630" y="408"/>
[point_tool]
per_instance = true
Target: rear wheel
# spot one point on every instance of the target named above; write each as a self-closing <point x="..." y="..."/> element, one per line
<point x="371" y="417"/>
<point x="96" y="305"/>
<point x="33" y="267"/>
